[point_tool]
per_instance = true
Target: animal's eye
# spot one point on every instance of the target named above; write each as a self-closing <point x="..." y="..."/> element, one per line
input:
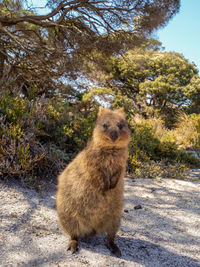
<point x="105" y="126"/>
<point x="120" y="126"/>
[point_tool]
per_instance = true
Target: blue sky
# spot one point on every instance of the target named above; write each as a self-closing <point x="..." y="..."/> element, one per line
<point x="182" y="33"/>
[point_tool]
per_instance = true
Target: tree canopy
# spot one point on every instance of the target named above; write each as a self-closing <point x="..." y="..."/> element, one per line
<point x="149" y="79"/>
<point x="38" y="51"/>
<point x="160" y="78"/>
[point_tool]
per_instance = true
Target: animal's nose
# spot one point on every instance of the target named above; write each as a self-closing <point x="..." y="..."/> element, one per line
<point x="113" y="135"/>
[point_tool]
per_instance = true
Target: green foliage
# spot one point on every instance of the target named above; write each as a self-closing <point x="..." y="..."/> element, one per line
<point x="161" y="169"/>
<point x="186" y="134"/>
<point x="98" y="92"/>
<point x="154" y="148"/>
<point x="155" y="83"/>
<point x="16" y="157"/>
<point x="44" y="123"/>
<point x="38" y="138"/>
<point x="12" y="108"/>
<point x="120" y="100"/>
<point x="41" y="53"/>
<point x="144" y="140"/>
<point x="171" y="80"/>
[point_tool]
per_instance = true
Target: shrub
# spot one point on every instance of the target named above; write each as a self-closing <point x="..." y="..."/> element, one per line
<point x="12" y="108"/>
<point x="38" y="138"/>
<point x="17" y="159"/>
<point x="151" y="145"/>
<point x="187" y="131"/>
<point x="161" y="169"/>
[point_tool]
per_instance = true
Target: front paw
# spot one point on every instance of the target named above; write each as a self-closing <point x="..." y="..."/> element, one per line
<point x="113" y="183"/>
<point x="106" y="184"/>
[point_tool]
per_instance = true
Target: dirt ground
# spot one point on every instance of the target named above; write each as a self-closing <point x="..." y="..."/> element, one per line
<point x="163" y="231"/>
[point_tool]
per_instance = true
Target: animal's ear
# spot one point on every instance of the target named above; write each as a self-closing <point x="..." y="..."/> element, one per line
<point x="102" y="111"/>
<point x="120" y="111"/>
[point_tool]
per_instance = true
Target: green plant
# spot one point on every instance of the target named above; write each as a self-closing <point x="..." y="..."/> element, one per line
<point x="39" y="137"/>
<point x="12" y="108"/>
<point x="151" y="143"/>
<point x="161" y="169"/>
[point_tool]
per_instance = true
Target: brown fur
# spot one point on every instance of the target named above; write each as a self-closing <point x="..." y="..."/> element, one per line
<point x="90" y="189"/>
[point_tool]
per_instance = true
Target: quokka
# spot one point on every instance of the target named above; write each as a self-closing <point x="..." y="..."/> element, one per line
<point x="90" y="189"/>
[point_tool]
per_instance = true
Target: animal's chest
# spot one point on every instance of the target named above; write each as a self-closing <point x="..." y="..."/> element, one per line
<point x="110" y="163"/>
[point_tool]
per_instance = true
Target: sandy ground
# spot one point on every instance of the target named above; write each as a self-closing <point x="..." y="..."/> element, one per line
<point x="165" y="231"/>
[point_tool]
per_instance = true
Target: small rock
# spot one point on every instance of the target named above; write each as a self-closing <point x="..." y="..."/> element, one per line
<point x="126" y="210"/>
<point x="138" y="207"/>
<point x="14" y="214"/>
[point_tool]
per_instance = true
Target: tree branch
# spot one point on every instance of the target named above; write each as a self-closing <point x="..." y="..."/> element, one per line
<point x="14" y="38"/>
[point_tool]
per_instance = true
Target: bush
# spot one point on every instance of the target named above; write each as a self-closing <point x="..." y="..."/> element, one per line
<point x="187" y="131"/>
<point x="161" y="169"/>
<point x="17" y="157"/>
<point x="38" y="138"/>
<point x="12" y="108"/>
<point x="153" y="148"/>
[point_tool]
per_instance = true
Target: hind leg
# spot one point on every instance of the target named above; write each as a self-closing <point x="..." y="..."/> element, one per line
<point x="111" y="234"/>
<point x="73" y="244"/>
<point x="112" y="246"/>
<point x="71" y="227"/>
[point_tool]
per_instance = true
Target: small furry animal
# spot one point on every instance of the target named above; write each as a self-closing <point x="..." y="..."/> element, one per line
<point x="90" y="189"/>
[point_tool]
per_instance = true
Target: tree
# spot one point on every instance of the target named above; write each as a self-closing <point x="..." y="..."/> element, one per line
<point x="38" y="51"/>
<point x="159" y="78"/>
<point x="152" y="81"/>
